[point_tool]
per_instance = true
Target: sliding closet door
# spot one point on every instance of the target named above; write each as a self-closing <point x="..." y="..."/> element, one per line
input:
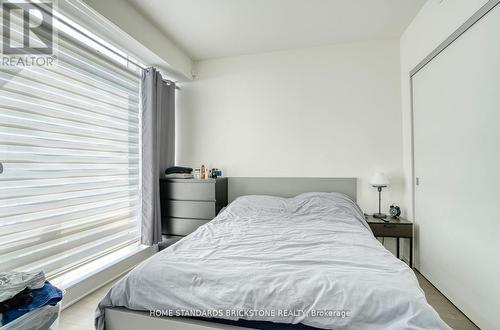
<point x="456" y="104"/>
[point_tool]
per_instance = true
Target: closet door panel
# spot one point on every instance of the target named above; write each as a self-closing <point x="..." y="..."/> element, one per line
<point x="456" y="108"/>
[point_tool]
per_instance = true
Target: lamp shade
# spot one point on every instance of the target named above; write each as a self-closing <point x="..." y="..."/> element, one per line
<point x="379" y="179"/>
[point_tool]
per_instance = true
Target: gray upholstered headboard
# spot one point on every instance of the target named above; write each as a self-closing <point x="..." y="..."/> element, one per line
<point x="289" y="187"/>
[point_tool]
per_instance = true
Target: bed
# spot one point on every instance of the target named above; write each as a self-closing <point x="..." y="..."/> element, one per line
<point x="309" y="261"/>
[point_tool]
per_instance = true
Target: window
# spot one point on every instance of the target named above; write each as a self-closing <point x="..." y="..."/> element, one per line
<point x="70" y="148"/>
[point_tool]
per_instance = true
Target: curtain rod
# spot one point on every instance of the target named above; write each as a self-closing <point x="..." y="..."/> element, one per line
<point x="63" y="20"/>
<point x="170" y="82"/>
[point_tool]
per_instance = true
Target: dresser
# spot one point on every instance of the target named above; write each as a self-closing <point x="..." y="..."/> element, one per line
<point x="187" y="204"/>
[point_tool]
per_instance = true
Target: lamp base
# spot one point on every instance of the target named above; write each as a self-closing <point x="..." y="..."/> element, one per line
<point x="380" y="215"/>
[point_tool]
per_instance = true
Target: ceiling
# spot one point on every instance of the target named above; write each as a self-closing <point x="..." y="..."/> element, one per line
<point x="218" y="28"/>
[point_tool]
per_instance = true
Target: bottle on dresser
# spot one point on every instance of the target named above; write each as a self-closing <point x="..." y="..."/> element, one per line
<point x="202" y="172"/>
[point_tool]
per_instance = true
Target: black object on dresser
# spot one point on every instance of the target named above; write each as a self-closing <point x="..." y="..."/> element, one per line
<point x="391" y="227"/>
<point x="187" y="204"/>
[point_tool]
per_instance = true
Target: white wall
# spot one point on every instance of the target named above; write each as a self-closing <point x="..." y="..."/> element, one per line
<point x="433" y="24"/>
<point x="321" y="112"/>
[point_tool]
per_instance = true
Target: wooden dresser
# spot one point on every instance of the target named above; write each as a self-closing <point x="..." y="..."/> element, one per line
<point x="187" y="204"/>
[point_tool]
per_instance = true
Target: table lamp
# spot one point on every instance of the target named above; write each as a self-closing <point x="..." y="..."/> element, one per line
<point x="379" y="181"/>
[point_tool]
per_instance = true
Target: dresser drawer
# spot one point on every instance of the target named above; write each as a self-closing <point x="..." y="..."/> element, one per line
<point x="181" y="226"/>
<point x="392" y="230"/>
<point x="190" y="191"/>
<point x="189" y="209"/>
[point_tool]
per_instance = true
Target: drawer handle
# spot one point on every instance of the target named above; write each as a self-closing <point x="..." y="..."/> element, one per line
<point x="389" y="225"/>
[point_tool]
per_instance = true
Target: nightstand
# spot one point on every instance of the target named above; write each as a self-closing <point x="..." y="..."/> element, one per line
<point x="397" y="228"/>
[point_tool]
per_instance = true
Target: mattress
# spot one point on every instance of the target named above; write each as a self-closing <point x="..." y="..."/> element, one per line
<point x="311" y="259"/>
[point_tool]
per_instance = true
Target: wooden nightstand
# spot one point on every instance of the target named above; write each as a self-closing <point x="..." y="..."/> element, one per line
<point x="398" y="228"/>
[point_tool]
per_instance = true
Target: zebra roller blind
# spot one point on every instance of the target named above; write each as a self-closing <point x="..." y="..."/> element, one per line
<point x="70" y="148"/>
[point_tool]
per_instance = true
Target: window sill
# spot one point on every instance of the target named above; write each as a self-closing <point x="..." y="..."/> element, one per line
<point x="84" y="280"/>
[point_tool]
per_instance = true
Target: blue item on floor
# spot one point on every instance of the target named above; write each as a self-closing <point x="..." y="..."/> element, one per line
<point x="47" y="295"/>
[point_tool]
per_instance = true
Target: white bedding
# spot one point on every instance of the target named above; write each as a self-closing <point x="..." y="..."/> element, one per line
<point x="288" y="257"/>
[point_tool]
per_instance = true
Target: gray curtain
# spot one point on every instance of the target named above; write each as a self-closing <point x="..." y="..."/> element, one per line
<point x="158" y="143"/>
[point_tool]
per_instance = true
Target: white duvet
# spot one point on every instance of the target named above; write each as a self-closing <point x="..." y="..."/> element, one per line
<point x="310" y="259"/>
